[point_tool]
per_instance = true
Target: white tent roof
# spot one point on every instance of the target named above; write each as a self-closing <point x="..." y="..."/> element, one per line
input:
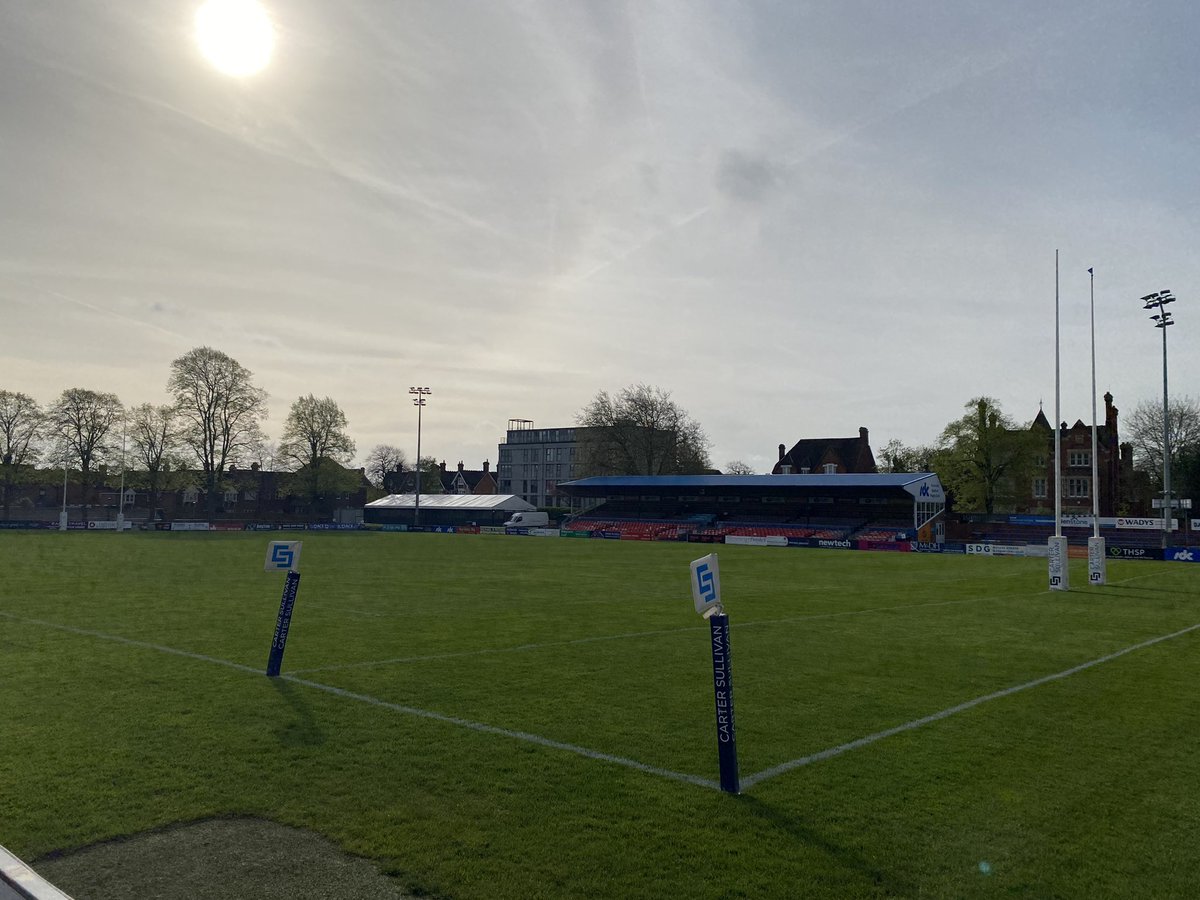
<point x="502" y="502"/>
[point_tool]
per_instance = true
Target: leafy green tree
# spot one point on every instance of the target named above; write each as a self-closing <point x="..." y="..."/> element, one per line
<point x="21" y="424"/>
<point x="431" y="475"/>
<point x="317" y="448"/>
<point x="82" y="422"/>
<point x="985" y="459"/>
<point x="220" y="409"/>
<point x="640" y="431"/>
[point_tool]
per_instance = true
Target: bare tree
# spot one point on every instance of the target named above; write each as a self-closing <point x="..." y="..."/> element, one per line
<point x="896" y="456"/>
<point x="154" y="438"/>
<point x="82" y="422"/>
<point x="737" y="467"/>
<point x="641" y="431"/>
<point x="21" y="424"/>
<point x="382" y="461"/>
<point x="317" y="446"/>
<point x="220" y="409"/>
<point x="1145" y="432"/>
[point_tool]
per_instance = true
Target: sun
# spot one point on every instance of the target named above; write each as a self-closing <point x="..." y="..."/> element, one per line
<point x="236" y="36"/>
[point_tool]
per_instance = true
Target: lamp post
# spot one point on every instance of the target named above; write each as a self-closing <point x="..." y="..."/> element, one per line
<point x="420" y="393"/>
<point x="1162" y="320"/>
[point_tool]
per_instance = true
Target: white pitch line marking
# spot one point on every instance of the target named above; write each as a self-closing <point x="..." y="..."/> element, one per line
<point x="506" y="732"/>
<point x="780" y="769"/>
<point x="525" y="736"/>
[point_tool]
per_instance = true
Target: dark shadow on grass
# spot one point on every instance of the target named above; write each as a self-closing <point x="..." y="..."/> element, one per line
<point x="305" y="731"/>
<point x="795" y="827"/>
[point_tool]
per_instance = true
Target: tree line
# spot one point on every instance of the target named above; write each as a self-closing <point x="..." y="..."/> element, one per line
<point x="214" y="420"/>
<point x="985" y="459"/>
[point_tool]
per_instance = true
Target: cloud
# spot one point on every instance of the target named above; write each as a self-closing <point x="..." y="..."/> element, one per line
<point x="747" y="178"/>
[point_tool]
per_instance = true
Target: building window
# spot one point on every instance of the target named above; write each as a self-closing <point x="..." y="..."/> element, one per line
<point x="231" y="496"/>
<point x="251" y="496"/>
<point x="1079" y="459"/>
<point x="191" y="495"/>
<point x="1078" y="487"/>
<point x="1039" y="487"/>
<point x="830" y="468"/>
<point x="785" y="469"/>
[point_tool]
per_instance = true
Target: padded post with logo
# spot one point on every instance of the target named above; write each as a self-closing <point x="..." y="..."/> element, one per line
<point x="283" y="556"/>
<point x="706" y="593"/>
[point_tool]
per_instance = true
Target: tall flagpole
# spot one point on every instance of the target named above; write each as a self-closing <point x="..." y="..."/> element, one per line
<point x="1096" y="549"/>
<point x="1057" y="410"/>
<point x="1056" y="547"/>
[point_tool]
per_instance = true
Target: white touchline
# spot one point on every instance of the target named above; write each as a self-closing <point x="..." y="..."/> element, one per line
<point x="527" y="737"/>
<point x="780" y="769"/>
<point x="375" y="701"/>
<point x="506" y="732"/>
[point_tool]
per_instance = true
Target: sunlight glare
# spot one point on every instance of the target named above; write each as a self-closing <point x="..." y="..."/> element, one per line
<point x="236" y="36"/>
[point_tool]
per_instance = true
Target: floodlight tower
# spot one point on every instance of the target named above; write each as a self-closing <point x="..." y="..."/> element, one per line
<point x="420" y="393"/>
<point x="62" y="516"/>
<point x="1162" y="320"/>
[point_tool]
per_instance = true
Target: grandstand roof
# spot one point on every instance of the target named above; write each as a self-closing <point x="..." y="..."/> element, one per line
<point x="505" y="502"/>
<point x="602" y="483"/>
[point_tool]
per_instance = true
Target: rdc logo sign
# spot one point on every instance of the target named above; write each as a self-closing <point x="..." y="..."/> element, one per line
<point x="1184" y="556"/>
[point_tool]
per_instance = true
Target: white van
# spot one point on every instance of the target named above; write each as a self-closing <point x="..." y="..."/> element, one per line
<point x="528" y="520"/>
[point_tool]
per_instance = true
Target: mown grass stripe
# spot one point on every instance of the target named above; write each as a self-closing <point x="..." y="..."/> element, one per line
<point x="525" y="736"/>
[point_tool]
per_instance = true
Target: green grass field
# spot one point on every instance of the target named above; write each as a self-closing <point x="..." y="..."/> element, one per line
<point x="485" y="716"/>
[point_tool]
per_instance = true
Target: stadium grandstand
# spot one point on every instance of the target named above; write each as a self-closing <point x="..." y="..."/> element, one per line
<point x="863" y="507"/>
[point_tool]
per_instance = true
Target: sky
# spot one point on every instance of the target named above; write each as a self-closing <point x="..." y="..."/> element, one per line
<point x="798" y="218"/>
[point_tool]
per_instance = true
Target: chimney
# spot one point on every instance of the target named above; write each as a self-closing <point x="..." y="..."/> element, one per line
<point x="442" y="467"/>
<point x="782" y="451"/>
<point x="485" y="466"/>
<point x="862" y="435"/>
<point x="460" y="465"/>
